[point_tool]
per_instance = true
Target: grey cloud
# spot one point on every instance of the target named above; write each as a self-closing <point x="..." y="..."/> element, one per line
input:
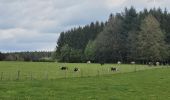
<point x="36" y="24"/>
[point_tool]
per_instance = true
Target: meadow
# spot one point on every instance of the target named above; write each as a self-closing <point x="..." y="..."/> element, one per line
<point x="142" y="85"/>
<point x="131" y="82"/>
<point x="51" y="70"/>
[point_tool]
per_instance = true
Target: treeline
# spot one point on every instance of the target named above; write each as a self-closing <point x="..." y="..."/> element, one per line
<point x="127" y="36"/>
<point x="71" y="44"/>
<point x="27" y="56"/>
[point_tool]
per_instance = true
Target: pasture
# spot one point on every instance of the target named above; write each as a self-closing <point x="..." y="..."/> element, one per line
<point x="44" y="70"/>
<point x="151" y="84"/>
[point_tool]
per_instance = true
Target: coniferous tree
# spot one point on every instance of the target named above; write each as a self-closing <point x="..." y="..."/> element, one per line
<point x="151" y="45"/>
<point x="93" y="41"/>
<point x="109" y="42"/>
<point x="130" y="28"/>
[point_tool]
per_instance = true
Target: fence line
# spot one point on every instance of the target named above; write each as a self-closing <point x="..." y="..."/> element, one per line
<point x="19" y="75"/>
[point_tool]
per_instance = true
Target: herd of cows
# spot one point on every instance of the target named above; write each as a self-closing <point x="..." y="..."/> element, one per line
<point x="76" y="69"/>
<point x="66" y="68"/>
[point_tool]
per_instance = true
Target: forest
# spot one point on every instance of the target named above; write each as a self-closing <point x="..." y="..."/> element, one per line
<point x="41" y="56"/>
<point x="130" y="35"/>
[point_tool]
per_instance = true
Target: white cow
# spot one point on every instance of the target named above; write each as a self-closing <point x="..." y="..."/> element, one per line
<point x="88" y="62"/>
<point x="157" y="63"/>
<point x="119" y="62"/>
<point x="132" y="62"/>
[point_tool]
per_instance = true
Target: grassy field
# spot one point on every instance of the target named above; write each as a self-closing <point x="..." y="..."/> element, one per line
<point x="151" y="84"/>
<point x="44" y="70"/>
<point x="45" y="81"/>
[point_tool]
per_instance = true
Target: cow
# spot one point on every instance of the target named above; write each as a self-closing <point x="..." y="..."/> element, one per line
<point x="89" y="62"/>
<point x="119" y="62"/>
<point x="101" y="63"/>
<point x="113" y="69"/>
<point x="64" y="68"/>
<point x="157" y="63"/>
<point x="132" y="62"/>
<point x="150" y="64"/>
<point x="76" y="69"/>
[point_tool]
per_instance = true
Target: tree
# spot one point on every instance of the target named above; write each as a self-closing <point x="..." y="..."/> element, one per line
<point x="60" y="43"/>
<point x="65" y="53"/>
<point x="132" y="46"/>
<point x="77" y="39"/>
<point x="76" y="55"/>
<point x="151" y="44"/>
<point x="109" y="42"/>
<point x="118" y="38"/>
<point x="90" y="51"/>
<point x="130" y="28"/>
<point x="2" y="56"/>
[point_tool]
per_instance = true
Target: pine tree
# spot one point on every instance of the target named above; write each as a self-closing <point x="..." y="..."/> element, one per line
<point x="151" y="45"/>
<point x="108" y="43"/>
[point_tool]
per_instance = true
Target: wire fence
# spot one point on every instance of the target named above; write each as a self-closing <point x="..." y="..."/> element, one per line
<point x="22" y="75"/>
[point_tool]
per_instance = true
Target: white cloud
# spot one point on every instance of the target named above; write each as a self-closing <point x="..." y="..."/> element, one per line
<point x="22" y="40"/>
<point x="36" y="24"/>
<point x="114" y="3"/>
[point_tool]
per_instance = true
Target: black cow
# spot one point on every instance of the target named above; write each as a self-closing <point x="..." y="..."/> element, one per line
<point x="101" y="63"/>
<point x="64" y="68"/>
<point x="113" y="69"/>
<point x="76" y="69"/>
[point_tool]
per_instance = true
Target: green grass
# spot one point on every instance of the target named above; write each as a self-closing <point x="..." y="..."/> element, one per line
<point x="151" y="84"/>
<point x="92" y="82"/>
<point x="41" y="70"/>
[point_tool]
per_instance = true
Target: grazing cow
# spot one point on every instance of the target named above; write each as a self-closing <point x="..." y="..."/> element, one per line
<point x="132" y="62"/>
<point x="150" y="63"/>
<point x="113" y="69"/>
<point x="157" y="63"/>
<point x="76" y="69"/>
<point x="88" y="62"/>
<point x="64" y="68"/>
<point x="119" y="62"/>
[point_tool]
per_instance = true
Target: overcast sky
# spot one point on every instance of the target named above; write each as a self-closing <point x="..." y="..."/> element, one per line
<point x="28" y="25"/>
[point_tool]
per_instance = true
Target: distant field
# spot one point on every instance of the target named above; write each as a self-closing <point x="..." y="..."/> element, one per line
<point x="44" y="70"/>
<point x="151" y="84"/>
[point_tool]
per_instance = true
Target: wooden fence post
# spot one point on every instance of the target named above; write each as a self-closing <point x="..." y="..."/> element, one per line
<point x="18" y="75"/>
<point x="135" y="68"/>
<point x="46" y="75"/>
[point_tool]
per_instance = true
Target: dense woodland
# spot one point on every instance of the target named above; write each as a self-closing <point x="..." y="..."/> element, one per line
<point x="127" y="36"/>
<point x="27" y="56"/>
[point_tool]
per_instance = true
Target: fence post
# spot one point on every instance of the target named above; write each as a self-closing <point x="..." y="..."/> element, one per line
<point x="135" y="68"/>
<point x="2" y="75"/>
<point x="18" y="75"/>
<point x="46" y="75"/>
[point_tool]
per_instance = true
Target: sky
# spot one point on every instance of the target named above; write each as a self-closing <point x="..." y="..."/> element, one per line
<point x="35" y="25"/>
